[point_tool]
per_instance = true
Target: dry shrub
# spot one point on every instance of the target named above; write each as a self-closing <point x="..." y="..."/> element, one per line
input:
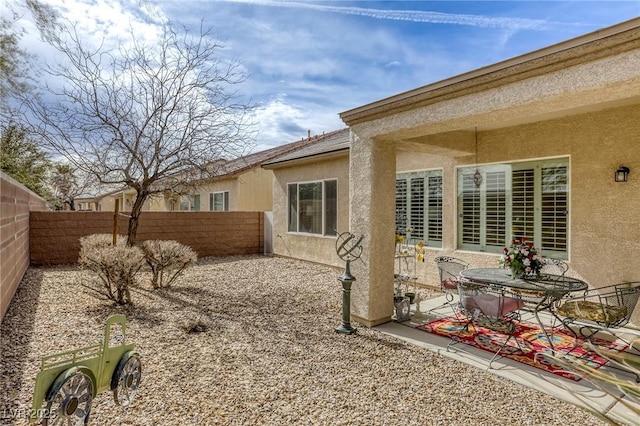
<point x="167" y="260"/>
<point x="116" y="266"/>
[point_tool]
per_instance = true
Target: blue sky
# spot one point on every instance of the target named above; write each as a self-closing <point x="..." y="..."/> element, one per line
<point x="307" y="61"/>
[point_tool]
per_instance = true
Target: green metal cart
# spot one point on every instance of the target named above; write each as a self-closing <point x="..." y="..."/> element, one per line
<point x="68" y="381"/>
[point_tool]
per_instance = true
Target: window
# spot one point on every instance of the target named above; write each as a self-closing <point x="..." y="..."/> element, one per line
<point x="190" y="202"/>
<point x="419" y="207"/>
<point x="313" y="207"/>
<point x="219" y="201"/>
<point x="520" y="200"/>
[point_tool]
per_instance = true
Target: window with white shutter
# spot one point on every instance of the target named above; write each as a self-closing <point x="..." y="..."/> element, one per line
<point x="496" y="206"/>
<point x="521" y="200"/>
<point x="554" y="209"/>
<point x="419" y="207"/>
<point x="401" y="206"/>
<point x="434" y="208"/>
<point x="469" y="211"/>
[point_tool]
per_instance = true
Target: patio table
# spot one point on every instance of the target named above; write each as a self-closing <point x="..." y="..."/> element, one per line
<point x="549" y="287"/>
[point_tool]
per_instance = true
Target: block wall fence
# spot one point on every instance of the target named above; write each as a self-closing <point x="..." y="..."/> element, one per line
<point x="55" y="236"/>
<point x="16" y="201"/>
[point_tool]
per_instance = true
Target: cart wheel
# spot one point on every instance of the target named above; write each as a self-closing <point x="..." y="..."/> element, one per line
<point x="129" y="372"/>
<point x="71" y="404"/>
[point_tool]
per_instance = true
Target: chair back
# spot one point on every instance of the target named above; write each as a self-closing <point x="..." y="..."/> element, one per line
<point x="449" y="269"/>
<point x="612" y="308"/>
<point x="554" y="266"/>
<point x="628" y="295"/>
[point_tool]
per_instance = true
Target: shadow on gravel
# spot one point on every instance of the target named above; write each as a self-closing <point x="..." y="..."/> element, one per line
<point x="16" y="334"/>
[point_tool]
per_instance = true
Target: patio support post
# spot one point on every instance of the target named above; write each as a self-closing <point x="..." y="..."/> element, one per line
<point x="372" y="169"/>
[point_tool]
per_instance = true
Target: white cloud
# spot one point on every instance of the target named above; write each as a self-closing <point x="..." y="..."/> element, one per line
<point x="410" y="15"/>
<point x="281" y="121"/>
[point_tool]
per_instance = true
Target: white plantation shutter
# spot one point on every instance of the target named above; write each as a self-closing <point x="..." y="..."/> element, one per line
<point x="496" y="208"/>
<point x="554" y="207"/>
<point x="523" y="200"/>
<point x="417" y="208"/>
<point x="523" y="205"/>
<point x="470" y="211"/>
<point x="401" y="206"/>
<point x="434" y="209"/>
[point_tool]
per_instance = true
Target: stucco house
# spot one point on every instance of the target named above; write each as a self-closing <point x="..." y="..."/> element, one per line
<point x="544" y="133"/>
<point x="126" y="197"/>
<point x="239" y="185"/>
<point x="527" y="147"/>
<point x="311" y="200"/>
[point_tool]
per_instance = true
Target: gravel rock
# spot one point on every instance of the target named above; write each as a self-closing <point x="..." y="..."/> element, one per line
<point x="252" y="341"/>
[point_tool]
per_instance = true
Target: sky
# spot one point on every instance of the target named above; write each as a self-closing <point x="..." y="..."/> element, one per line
<point x="308" y="61"/>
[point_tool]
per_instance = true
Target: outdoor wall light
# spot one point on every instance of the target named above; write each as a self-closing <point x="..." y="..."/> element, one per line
<point x="621" y="174"/>
<point x="477" y="178"/>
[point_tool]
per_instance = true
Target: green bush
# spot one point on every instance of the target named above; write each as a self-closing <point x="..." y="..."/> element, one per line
<point x="116" y="266"/>
<point x="167" y="260"/>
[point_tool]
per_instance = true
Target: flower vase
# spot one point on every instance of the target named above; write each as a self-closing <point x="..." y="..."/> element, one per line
<point x="517" y="274"/>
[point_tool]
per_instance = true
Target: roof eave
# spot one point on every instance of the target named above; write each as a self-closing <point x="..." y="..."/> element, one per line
<point x="307" y="159"/>
<point x="517" y="68"/>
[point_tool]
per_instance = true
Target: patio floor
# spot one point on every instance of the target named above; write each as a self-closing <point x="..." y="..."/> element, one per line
<point x="582" y="393"/>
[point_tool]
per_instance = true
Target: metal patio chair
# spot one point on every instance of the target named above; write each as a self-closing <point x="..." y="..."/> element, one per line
<point x="532" y="298"/>
<point x="489" y="307"/>
<point x="449" y="269"/>
<point x="554" y="266"/>
<point x="603" y="310"/>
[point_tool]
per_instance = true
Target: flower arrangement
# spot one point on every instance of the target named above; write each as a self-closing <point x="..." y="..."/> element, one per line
<point x="522" y="257"/>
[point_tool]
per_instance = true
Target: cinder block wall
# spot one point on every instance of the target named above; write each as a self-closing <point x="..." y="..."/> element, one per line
<point x="55" y="236"/>
<point x="15" y="203"/>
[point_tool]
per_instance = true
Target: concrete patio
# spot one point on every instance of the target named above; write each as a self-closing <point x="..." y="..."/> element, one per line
<point x="582" y="393"/>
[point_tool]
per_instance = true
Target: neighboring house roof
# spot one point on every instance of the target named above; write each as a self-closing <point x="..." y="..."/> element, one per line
<point x="329" y="144"/>
<point x="247" y="162"/>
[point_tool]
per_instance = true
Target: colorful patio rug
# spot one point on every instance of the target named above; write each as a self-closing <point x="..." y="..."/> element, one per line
<point x="535" y="353"/>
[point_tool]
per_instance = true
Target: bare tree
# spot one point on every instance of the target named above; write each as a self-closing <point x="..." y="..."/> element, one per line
<point x="68" y="183"/>
<point x="16" y="63"/>
<point x="149" y="117"/>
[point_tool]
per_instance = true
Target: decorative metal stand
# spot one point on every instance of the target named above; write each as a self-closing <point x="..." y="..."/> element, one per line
<point x="348" y="249"/>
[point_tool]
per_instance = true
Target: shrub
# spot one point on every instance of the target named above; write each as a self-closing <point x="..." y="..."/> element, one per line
<point x="116" y="266"/>
<point x="167" y="260"/>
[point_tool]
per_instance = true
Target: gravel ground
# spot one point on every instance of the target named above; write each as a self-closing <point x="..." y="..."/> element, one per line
<point x="265" y="352"/>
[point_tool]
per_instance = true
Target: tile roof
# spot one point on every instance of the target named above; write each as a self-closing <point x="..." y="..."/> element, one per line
<point x="258" y="158"/>
<point x="328" y="143"/>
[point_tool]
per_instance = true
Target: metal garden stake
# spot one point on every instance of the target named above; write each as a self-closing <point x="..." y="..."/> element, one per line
<point x="348" y="249"/>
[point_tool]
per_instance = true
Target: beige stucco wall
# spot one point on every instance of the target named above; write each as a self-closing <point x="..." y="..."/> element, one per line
<point x="248" y="191"/>
<point x="221" y="185"/>
<point x="155" y="203"/>
<point x="310" y="247"/>
<point x="255" y="190"/>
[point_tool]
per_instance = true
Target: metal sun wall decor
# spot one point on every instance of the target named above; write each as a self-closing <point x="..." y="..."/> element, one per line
<point x="348" y="248"/>
<point x="68" y="381"/>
